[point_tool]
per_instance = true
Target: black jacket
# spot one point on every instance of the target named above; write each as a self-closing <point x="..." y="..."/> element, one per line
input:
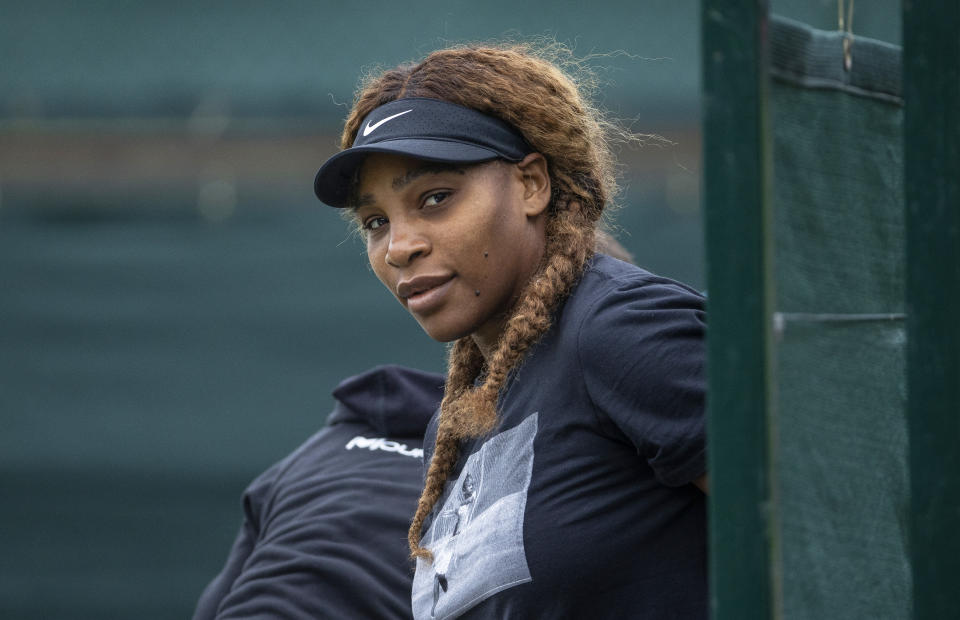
<point x="324" y="530"/>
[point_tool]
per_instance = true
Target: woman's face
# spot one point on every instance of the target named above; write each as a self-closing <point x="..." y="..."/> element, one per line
<point x="455" y="245"/>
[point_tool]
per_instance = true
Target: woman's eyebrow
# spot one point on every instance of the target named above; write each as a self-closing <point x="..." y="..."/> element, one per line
<point x="365" y="200"/>
<point x="428" y="168"/>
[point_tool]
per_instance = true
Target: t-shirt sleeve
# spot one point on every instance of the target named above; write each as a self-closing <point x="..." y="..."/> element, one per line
<point x="642" y="352"/>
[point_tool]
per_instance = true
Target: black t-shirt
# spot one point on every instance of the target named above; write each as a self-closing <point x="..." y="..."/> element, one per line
<point x="325" y="530"/>
<point x="579" y="504"/>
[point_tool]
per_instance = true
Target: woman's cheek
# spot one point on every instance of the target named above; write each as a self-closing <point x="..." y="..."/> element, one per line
<point x="376" y="257"/>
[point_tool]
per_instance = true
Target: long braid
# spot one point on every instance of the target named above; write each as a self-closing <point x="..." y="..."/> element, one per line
<point x="569" y="243"/>
<point x="465" y="364"/>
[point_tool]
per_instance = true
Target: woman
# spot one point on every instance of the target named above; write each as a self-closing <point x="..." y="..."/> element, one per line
<point x="571" y="433"/>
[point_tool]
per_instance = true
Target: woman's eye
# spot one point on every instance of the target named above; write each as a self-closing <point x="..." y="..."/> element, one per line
<point x="373" y="223"/>
<point x="435" y="198"/>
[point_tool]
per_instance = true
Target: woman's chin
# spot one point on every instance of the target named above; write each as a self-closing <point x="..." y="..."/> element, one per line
<point x="441" y="332"/>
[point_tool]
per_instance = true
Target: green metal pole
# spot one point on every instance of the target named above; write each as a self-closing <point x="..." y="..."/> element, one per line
<point x="931" y="57"/>
<point x="736" y="191"/>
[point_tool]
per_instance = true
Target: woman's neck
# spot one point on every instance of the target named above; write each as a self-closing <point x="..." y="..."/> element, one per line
<point x="487" y="337"/>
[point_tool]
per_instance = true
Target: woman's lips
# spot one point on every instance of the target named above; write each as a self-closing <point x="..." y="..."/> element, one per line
<point x="423" y="293"/>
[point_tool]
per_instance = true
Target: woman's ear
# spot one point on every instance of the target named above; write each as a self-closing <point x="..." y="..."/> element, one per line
<point x="536" y="183"/>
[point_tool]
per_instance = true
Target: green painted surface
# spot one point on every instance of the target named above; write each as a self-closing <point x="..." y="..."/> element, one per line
<point x="736" y="211"/>
<point x="932" y="145"/>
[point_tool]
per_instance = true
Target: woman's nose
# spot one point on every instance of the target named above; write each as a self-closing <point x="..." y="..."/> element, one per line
<point x="405" y="246"/>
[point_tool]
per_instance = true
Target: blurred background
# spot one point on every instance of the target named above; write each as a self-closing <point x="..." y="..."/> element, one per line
<point x="176" y="306"/>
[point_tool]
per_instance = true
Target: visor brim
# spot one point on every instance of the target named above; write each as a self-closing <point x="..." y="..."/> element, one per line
<point x="332" y="184"/>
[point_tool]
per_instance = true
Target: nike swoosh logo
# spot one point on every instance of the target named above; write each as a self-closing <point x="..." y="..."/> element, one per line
<point x="369" y="129"/>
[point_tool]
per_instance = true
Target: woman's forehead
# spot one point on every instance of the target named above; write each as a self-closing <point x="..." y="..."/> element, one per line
<point x="401" y="169"/>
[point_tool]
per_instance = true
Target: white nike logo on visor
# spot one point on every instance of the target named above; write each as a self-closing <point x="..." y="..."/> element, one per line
<point x="369" y="129"/>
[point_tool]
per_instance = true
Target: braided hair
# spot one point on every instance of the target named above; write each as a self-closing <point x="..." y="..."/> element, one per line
<point x="525" y="88"/>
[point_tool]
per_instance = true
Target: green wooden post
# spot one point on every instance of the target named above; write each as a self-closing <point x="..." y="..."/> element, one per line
<point x="736" y="188"/>
<point x="931" y="57"/>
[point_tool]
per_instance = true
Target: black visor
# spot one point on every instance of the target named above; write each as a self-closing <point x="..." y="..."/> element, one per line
<point x="427" y="129"/>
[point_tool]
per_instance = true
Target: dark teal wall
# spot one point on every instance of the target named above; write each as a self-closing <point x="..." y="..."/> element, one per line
<point x="103" y="58"/>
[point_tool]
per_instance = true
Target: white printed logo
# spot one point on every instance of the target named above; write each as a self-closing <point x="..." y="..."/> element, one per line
<point x="381" y="443"/>
<point x="369" y="129"/>
<point x="477" y="534"/>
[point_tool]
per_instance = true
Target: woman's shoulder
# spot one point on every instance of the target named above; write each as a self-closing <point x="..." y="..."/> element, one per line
<point x="620" y="311"/>
<point x="640" y="351"/>
<point x="609" y="284"/>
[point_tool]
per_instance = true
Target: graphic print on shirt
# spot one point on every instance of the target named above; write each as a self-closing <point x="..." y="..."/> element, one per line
<point x="477" y="536"/>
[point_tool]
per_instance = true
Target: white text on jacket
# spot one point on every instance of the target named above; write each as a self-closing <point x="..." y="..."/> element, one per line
<point x="381" y="443"/>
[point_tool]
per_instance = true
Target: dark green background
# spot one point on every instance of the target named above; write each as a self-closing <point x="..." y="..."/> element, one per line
<point x="169" y="329"/>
